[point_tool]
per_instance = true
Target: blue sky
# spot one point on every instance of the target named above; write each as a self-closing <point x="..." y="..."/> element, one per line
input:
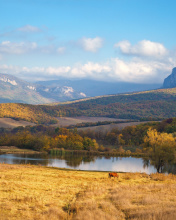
<point x="109" y="40"/>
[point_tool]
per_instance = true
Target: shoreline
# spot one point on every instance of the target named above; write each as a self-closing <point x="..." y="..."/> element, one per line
<point x="15" y="150"/>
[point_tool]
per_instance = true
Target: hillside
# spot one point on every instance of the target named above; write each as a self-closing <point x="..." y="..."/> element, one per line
<point x="149" y="105"/>
<point x="15" y="90"/>
<point x="31" y="113"/>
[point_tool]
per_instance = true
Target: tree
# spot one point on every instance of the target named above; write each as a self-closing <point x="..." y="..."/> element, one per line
<point x="120" y="139"/>
<point x="160" y="146"/>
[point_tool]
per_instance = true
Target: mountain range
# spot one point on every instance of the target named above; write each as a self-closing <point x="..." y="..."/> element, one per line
<point x="15" y="90"/>
<point x="99" y="88"/>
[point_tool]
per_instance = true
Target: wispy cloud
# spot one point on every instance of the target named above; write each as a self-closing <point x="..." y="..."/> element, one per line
<point x="8" y="47"/>
<point x="91" y="44"/>
<point x="142" y="48"/>
<point x="22" y="32"/>
<point x="29" y="28"/>
<point x="26" y="47"/>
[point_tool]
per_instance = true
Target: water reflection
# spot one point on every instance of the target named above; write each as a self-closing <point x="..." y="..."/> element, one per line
<point x="24" y="159"/>
<point x="88" y="162"/>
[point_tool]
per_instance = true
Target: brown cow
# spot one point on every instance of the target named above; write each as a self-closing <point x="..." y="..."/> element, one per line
<point x="113" y="175"/>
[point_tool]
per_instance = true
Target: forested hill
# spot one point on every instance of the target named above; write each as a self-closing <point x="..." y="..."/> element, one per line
<point x="149" y="105"/>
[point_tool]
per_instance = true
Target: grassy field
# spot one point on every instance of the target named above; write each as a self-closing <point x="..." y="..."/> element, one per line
<point x="66" y="121"/>
<point x="109" y="127"/>
<point x="15" y="150"/>
<point x="35" y="192"/>
<point x="62" y="121"/>
<point x="11" y="123"/>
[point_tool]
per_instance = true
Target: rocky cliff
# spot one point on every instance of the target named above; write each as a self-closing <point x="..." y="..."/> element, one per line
<point x="170" y="81"/>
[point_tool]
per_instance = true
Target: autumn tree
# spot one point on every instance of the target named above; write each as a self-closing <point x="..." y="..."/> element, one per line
<point x="160" y="146"/>
<point x="120" y="139"/>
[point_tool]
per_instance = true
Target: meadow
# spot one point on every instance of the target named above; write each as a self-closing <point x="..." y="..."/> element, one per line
<point x="66" y="121"/>
<point x="109" y="127"/>
<point x="36" y="192"/>
<point x="11" y="123"/>
<point x="15" y="150"/>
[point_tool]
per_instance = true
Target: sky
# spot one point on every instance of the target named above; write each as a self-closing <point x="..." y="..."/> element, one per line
<point x="107" y="40"/>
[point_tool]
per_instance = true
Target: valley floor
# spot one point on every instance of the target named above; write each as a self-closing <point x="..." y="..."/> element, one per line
<point x="35" y="192"/>
<point x="11" y="123"/>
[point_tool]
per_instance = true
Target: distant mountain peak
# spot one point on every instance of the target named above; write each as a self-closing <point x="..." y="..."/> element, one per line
<point x="7" y="80"/>
<point x="170" y="81"/>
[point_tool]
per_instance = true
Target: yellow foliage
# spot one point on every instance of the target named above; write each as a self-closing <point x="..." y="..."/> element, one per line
<point x="160" y="146"/>
<point x="121" y="141"/>
<point x="61" y="137"/>
<point x="155" y="138"/>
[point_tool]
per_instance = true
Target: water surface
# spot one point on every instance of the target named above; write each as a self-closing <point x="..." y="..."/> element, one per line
<point x="84" y="162"/>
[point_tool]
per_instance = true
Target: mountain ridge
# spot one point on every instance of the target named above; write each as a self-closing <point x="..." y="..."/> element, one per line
<point x="98" y="88"/>
<point x="13" y="89"/>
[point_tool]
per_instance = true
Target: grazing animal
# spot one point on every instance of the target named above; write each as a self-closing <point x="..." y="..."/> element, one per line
<point x="113" y="175"/>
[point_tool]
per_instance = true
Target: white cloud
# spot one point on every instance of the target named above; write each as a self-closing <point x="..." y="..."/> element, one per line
<point x="57" y="71"/>
<point x="142" y="48"/>
<point x="91" y="44"/>
<point x="90" y="69"/>
<point x="140" y="71"/>
<point x="16" y="48"/>
<point x="136" y="70"/>
<point x="29" y="28"/>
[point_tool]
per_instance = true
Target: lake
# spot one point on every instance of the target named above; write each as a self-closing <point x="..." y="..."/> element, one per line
<point x="84" y="162"/>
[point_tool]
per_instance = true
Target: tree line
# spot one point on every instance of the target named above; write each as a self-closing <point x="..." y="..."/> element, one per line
<point x="44" y="138"/>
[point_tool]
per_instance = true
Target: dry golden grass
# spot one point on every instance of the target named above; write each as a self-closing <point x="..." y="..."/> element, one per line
<point x="13" y="149"/>
<point x="109" y="127"/>
<point x="66" y="121"/>
<point x="35" y="192"/>
<point x="11" y="123"/>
